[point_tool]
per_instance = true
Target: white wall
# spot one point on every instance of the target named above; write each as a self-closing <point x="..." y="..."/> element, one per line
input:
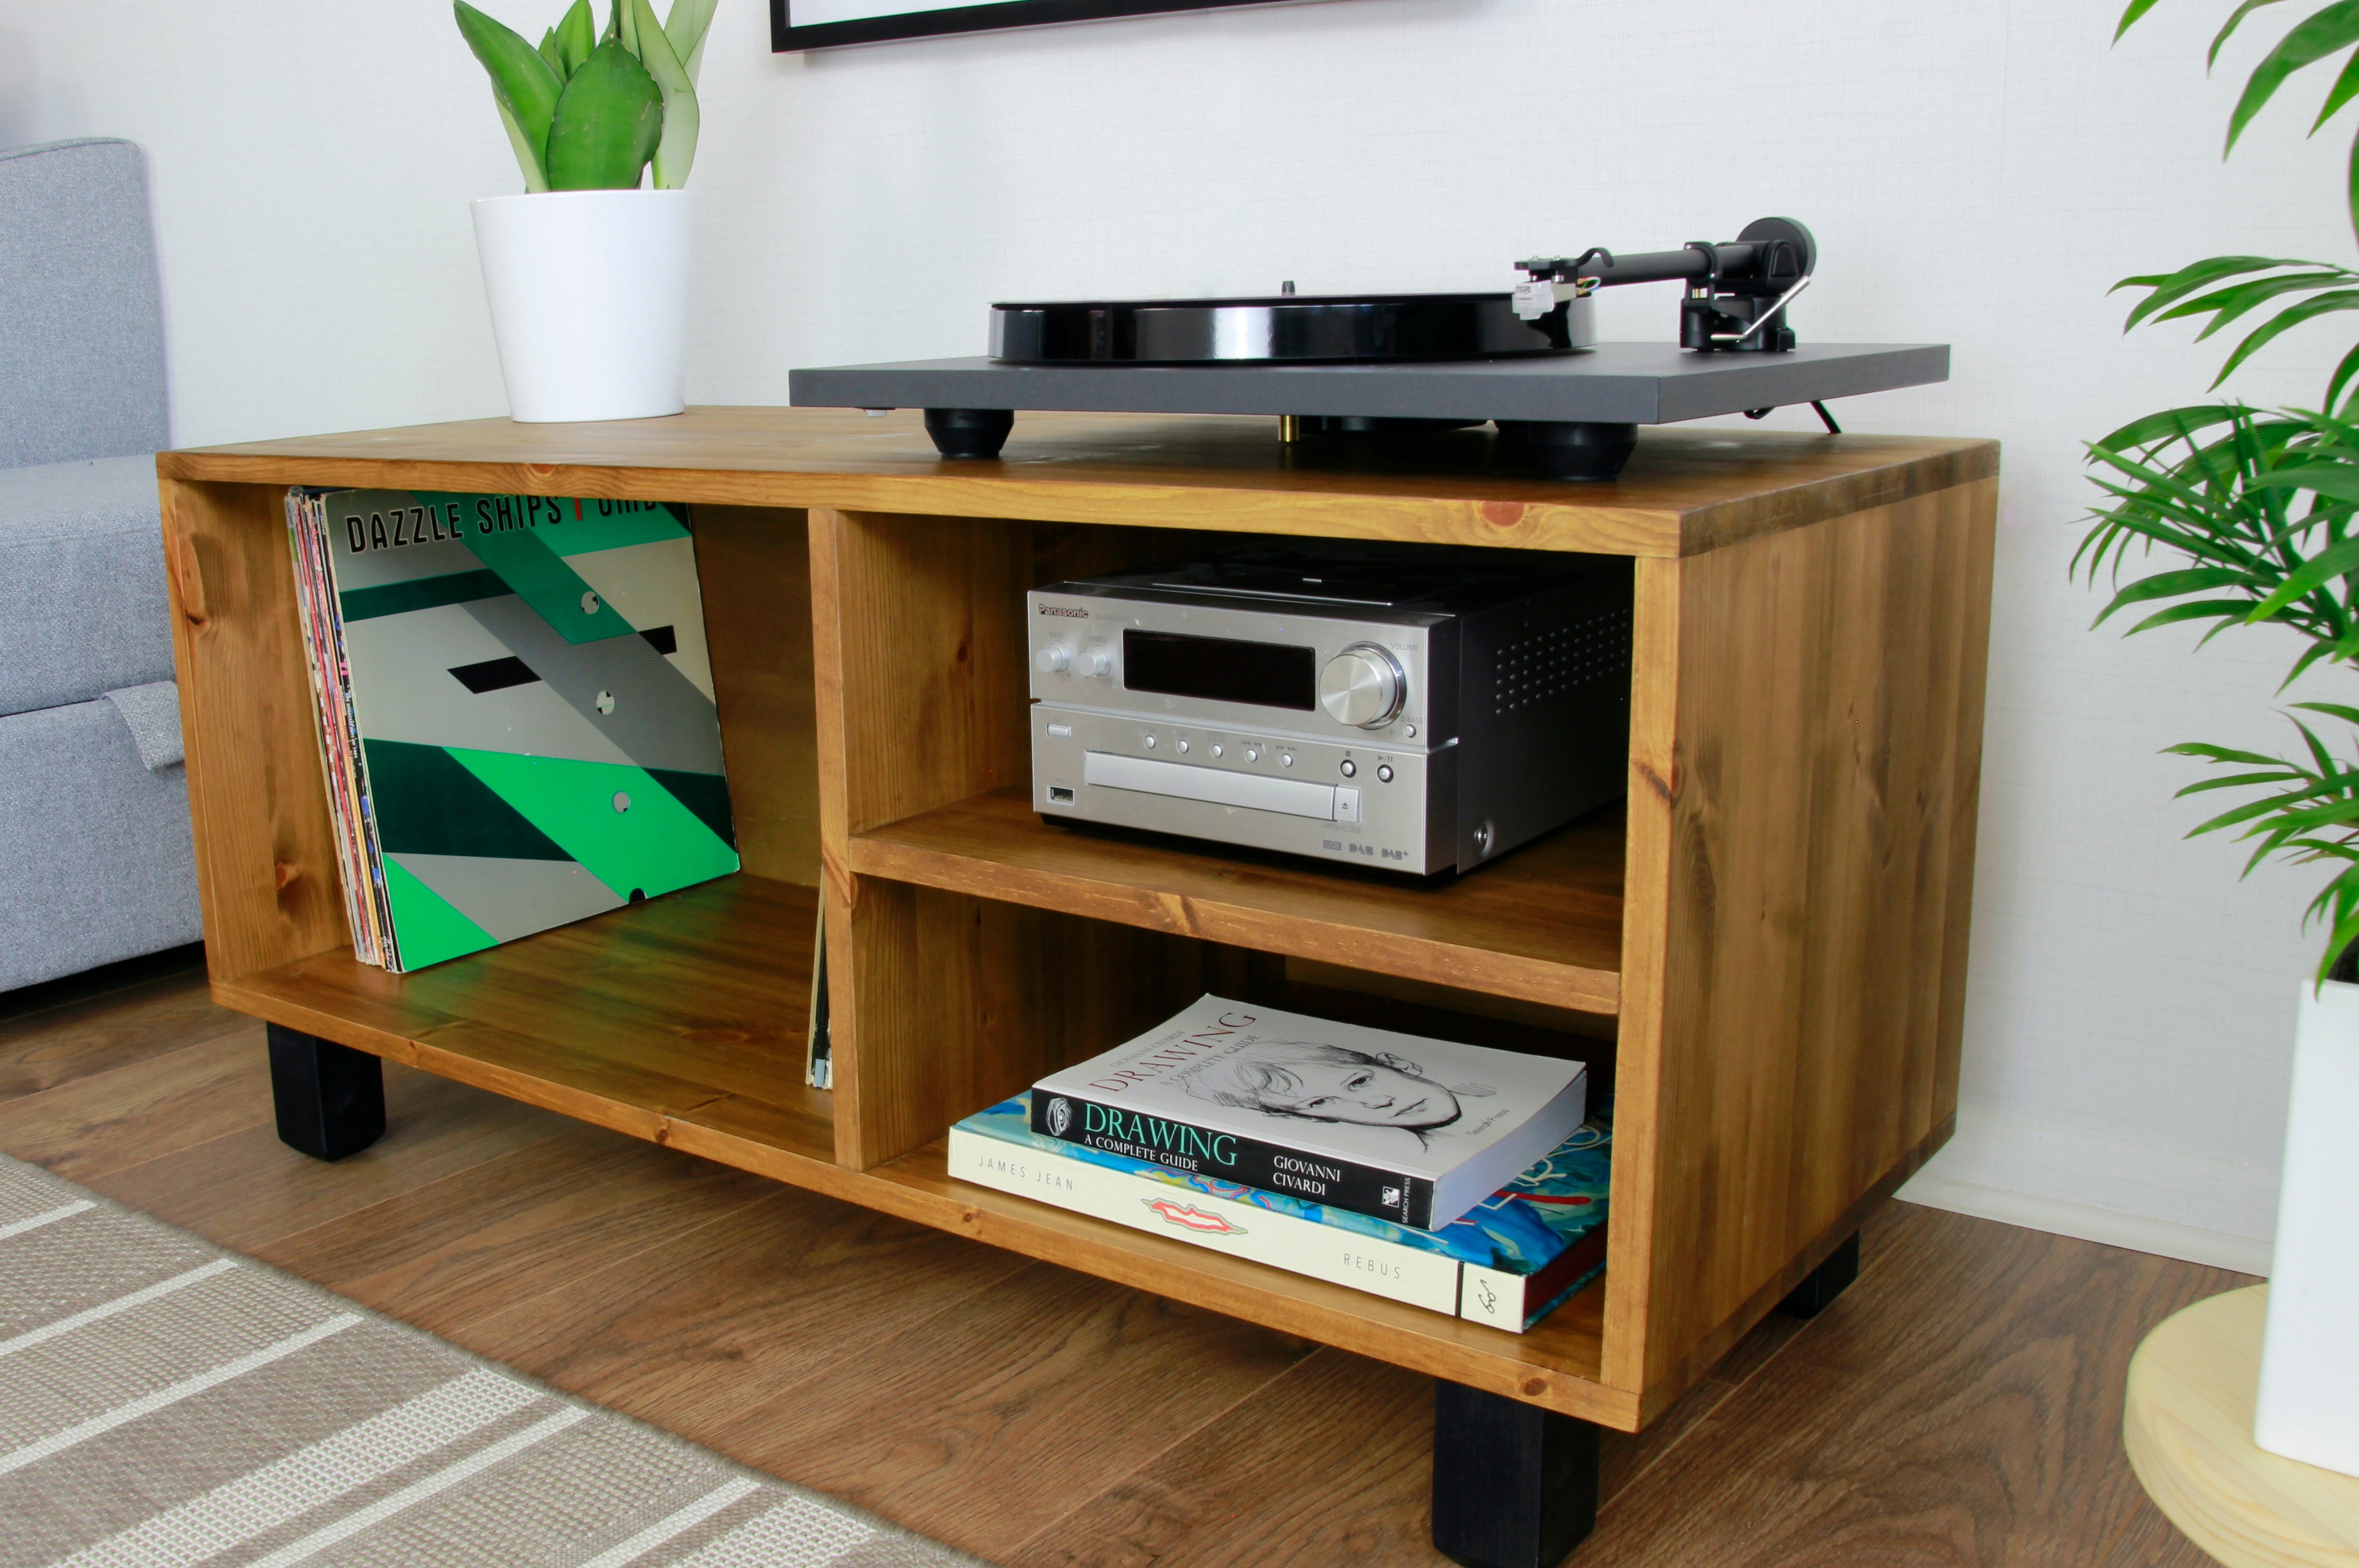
<point x="1977" y="173"/>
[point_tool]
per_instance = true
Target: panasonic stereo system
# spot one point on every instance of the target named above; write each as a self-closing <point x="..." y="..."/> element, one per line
<point x="1416" y="708"/>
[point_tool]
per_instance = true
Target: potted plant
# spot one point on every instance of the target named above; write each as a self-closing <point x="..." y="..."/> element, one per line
<point x="586" y="273"/>
<point x="2258" y="509"/>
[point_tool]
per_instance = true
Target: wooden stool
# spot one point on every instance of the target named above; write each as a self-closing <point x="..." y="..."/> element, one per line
<point x="2189" y="1428"/>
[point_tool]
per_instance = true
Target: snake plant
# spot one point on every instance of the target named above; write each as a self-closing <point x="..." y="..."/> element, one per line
<point x="2258" y="509"/>
<point x="592" y="112"/>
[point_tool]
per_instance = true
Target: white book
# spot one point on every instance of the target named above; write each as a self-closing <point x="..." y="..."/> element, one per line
<point x="1428" y="1280"/>
<point x="1398" y="1126"/>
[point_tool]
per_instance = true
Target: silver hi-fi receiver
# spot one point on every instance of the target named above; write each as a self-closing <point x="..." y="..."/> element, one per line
<point x="1415" y="709"/>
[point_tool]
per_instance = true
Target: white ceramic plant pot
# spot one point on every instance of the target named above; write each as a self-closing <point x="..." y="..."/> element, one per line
<point x="589" y="296"/>
<point x="2308" y="1403"/>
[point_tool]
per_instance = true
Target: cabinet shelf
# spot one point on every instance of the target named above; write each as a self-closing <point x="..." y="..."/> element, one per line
<point x="680" y="1020"/>
<point x="1556" y="1363"/>
<point x="1543" y="924"/>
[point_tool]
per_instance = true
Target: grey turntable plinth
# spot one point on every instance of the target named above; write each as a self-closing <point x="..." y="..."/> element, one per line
<point x="1577" y="411"/>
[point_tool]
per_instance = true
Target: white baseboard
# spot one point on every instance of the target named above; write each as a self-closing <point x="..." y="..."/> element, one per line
<point x="2087" y="1222"/>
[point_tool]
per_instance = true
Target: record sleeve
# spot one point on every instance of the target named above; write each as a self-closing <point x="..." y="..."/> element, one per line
<point x="515" y="710"/>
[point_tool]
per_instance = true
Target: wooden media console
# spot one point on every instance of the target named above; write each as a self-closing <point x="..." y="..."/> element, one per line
<point x="1763" y="951"/>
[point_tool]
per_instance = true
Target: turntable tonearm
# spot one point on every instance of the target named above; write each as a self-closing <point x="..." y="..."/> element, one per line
<point x="1400" y="365"/>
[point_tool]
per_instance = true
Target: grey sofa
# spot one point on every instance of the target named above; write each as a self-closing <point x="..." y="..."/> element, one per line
<point x="95" y="860"/>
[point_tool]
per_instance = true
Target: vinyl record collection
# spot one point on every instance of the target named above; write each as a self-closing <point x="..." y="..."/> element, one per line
<point x="516" y="712"/>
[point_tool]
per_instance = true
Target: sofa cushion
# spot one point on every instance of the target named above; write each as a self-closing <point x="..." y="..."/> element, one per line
<point x="96" y="862"/>
<point x="81" y="321"/>
<point x="81" y="583"/>
<point x="152" y="713"/>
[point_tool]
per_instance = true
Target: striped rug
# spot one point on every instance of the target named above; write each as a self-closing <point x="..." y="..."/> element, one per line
<point x="165" y="1402"/>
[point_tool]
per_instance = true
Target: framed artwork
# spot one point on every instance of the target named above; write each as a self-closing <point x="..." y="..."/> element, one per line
<point x="817" y="24"/>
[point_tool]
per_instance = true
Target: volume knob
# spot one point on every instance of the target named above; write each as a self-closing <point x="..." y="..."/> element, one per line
<point x="1362" y="686"/>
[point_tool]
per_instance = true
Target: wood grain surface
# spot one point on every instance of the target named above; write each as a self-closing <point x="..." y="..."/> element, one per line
<point x="920" y="694"/>
<point x="1958" y="1407"/>
<point x="1018" y="1426"/>
<point x="88" y="1128"/>
<point x="712" y="1322"/>
<point x="266" y="851"/>
<point x="238" y="1188"/>
<point x="958" y="1002"/>
<point x="941" y="1002"/>
<point x="696" y="1012"/>
<point x="684" y="1028"/>
<point x="1789" y="887"/>
<point x="1962" y="1404"/>
<point x="2188" y="1428"/>
<point x="753" y="569"/>
<point x="1685" y="490"/>
<point x="1802" y="806"/>
<point x="1543" y="924"/>
<point x="76" y="1035"/>
<point x="515" y="1225"/>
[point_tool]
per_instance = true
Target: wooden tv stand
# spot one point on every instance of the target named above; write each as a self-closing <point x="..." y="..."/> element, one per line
<point x="1765" y="951"/>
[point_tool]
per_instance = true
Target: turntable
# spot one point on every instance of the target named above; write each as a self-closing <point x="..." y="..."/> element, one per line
<point x="1397" y="366"/>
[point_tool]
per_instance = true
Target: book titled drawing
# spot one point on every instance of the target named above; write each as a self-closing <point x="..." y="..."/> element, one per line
<point x="516" y="712"/>
<point x="1508" y="1261"/>
<point x="1399" y="1127"/>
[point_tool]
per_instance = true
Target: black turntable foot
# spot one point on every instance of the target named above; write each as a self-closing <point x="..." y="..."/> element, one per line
<point x="969" y="432"/>
<point x="1574" y="449"/>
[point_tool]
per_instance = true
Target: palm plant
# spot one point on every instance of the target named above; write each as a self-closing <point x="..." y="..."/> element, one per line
<point x="585" y="113"/>
<point x="2230" y="287"/>
<point x="2258" y="507"/>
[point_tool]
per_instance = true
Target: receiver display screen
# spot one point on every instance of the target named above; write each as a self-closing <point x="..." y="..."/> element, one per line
<point x="1221" y="670"/>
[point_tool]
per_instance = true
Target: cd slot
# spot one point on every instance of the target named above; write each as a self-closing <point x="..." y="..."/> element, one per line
<point x="1293" y="797"/>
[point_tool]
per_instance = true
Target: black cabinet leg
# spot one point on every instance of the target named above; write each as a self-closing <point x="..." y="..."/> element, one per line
<point x="1823" y="1284"/>
<point x="1513" y="1486"/>
<point x="330" y="1099"/>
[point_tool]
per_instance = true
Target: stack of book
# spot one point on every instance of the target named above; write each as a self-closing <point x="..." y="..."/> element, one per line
<point x="1451" y="1176"/>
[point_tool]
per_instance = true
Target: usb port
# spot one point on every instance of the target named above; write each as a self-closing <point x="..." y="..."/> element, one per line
<point x="1059" y="793"/>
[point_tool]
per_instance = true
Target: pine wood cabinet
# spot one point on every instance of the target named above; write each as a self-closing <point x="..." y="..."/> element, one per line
<point x="1765" y="947"/>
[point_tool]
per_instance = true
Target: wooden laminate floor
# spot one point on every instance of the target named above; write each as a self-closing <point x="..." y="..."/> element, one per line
<point x="1959" y="1405"/>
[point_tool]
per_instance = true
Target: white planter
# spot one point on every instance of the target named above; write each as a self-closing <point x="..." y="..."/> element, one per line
<point x="589" y="296"/>
<point x="2309" y="1404"/>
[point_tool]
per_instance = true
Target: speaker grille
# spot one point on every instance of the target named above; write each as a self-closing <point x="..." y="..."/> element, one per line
<point x="1561" y="660"/>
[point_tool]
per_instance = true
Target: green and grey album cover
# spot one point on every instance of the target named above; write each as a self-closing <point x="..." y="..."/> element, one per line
<point x="529" y="678"/>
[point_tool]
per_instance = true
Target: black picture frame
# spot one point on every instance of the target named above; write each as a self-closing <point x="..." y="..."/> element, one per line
<point x="785" y="37"/>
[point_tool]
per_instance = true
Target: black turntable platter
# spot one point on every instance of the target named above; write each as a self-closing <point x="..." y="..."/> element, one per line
<point x="1278" y="329"/>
